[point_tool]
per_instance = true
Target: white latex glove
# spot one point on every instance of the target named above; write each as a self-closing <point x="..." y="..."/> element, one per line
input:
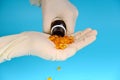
<point x="57" y="9"/>
<point x="38" y="44"/>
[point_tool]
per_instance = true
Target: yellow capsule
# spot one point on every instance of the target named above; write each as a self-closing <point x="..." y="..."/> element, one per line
<point x="51" y="38"/>
<point x="61" y="42"/>
<point x="63" y="46"/>
<point x="49" y="78"/>
<point x="58" y="68"/>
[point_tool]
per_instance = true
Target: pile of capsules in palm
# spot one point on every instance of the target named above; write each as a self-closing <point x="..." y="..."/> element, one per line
<point x="61" y="42"/>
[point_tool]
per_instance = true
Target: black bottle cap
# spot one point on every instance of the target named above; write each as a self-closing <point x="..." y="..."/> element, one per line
<point x="58" y="28"/>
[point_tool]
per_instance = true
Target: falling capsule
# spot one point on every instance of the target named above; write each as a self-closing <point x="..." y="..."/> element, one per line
<point x="49" y="78"/>
<point x="58" y="68"/>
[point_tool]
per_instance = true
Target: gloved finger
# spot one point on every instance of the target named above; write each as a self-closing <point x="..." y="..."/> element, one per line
<point x="91" y="33"/>
<point x="84" y="42"/>
<point x="74" y="10"/>
<point x="47" y="20"/>
<point x="80" y="34"/>
<point x="70" y="17"/>
<point x="70" y="24"/>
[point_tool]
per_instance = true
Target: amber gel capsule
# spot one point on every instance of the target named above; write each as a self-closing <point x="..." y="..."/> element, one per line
<point x="61" y="42"/>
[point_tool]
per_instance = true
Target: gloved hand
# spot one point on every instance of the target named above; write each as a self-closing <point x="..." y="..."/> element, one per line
<point x="38" y="44"/>
<point x="57" y="9"/>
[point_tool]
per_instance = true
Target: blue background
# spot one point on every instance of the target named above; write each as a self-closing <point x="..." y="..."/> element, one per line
<point x="98" y="61"/>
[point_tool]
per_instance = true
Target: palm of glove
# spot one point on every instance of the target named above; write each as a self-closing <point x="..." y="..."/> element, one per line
<point x="38" y="44"/>
<point x="82" y="39"/>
